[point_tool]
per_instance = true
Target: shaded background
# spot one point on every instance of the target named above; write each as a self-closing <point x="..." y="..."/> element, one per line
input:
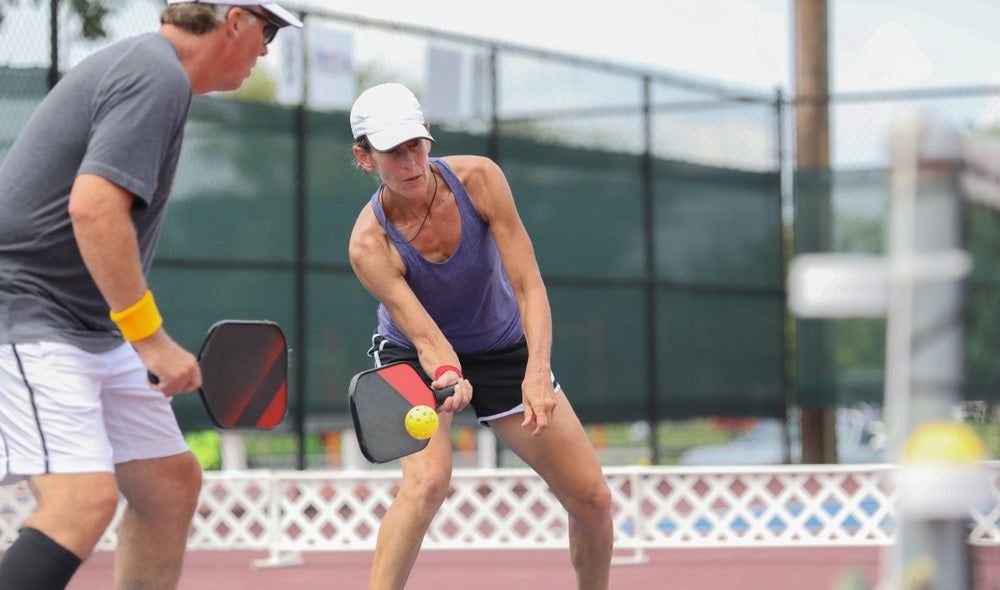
<point x="663" y="210"/>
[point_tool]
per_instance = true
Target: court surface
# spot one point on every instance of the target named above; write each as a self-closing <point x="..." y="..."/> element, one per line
<point x="680" y="569"/>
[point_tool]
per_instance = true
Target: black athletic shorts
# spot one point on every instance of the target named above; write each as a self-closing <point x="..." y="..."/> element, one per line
<point x="496" y="376"/>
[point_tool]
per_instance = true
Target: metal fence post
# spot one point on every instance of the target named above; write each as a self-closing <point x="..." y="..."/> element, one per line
<point x="652" y="328"/>
<point x="301" y="228"/>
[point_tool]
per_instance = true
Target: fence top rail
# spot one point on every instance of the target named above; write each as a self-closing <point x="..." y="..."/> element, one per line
<point x="515" y="472"/>
<point x="925" y="93"/>
<point x="690" y="83"/>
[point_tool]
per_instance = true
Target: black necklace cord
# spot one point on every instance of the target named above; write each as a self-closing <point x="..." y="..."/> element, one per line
<point x="422" y="223"/>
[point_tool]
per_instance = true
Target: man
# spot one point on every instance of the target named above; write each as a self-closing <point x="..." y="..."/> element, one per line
<point x="83" y="193"/>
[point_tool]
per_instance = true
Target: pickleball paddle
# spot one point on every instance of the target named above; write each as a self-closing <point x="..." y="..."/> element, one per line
<point x="379" y="400"/>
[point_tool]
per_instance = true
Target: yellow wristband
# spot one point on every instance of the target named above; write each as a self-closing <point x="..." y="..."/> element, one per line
<point x="140" y="320"/>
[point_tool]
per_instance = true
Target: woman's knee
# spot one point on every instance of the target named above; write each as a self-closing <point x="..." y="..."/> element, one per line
<point x="430" y="487"/>
<point x="590" y="503"/>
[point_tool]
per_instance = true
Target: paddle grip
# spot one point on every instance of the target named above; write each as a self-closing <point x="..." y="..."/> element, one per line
<point x="152" y="377"/>
<point x="442" y="394"/>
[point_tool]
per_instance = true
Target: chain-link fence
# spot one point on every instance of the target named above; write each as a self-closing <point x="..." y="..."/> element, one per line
<point x="849" y="207"/>
<point x="662" y="210"/>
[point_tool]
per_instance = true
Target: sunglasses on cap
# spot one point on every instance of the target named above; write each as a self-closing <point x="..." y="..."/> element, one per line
<point x="270" y="28"/>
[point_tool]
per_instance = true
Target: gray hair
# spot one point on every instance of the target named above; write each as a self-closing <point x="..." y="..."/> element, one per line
<point x="197" y="17"/>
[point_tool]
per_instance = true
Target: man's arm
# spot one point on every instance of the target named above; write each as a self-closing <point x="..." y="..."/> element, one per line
<point x="105" y="235"/>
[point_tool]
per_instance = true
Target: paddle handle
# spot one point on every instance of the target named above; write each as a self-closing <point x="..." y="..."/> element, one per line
<point x="152" y="377"/>
<point x="442" y="394"/>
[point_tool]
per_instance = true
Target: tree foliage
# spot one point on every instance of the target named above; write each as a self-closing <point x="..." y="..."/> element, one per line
<point x="91" y="13"/>
<point x="261" y="86"/>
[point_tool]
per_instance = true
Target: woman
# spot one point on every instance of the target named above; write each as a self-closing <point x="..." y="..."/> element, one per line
<point x="460" y="295"/>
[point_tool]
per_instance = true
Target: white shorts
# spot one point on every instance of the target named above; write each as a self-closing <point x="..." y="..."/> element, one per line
<point x="64" y="410"/>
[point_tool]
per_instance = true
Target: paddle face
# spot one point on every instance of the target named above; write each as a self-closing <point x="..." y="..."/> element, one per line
<point x="244" y="373"/>
<point x="379" y="400"/>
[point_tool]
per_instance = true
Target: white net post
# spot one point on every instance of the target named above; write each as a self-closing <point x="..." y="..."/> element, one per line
<point x="232" y="450"/>
<point x="351" y="457"/>
<point x="486" y="449"/>
<point x="918" y="288"/>
<point x="924" y="351"/>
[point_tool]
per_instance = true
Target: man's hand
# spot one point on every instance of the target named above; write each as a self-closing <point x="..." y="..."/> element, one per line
<point x="175" y="368"/>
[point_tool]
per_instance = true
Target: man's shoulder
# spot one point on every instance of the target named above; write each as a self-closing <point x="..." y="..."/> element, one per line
<point x="146" y="52"/>
<point x="143" y="65"/>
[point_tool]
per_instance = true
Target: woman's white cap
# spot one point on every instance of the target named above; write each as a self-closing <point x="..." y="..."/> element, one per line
<point x="388" y="114"/>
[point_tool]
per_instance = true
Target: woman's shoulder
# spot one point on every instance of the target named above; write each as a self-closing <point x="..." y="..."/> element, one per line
<point x="472" y="170"/>
<point x="366" y="227"/>
<point x="470" y="163"/>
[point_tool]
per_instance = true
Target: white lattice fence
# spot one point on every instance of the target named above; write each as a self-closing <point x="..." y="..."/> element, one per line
<point x="767" y="508"/>
<point x="289" y="512"/>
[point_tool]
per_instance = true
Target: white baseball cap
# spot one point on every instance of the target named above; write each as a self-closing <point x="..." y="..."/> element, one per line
<point x="282" y="16"/>
<point x="389" y="114"/>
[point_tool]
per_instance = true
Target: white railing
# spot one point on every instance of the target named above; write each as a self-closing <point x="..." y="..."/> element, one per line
<point x="290" y="512"/>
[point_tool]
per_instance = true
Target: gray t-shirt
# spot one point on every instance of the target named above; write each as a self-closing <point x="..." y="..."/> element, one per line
<point x="119" y="114"/>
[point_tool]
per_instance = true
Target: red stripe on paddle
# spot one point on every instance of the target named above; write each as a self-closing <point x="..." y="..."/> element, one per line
<point x="275" y="410"/>
<point x="407" y="383"/>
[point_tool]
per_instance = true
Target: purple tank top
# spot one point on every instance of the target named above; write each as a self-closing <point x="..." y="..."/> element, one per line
<point x="468" y="295"/>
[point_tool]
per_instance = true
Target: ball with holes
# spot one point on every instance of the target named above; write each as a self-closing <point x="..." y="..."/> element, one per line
<point x="421" y="422"/>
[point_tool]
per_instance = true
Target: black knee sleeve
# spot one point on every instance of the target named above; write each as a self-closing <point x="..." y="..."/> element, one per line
<point x="36" y="562"/>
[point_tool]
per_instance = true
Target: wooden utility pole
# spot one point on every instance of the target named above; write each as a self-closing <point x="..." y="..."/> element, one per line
<point x="812" y="83"/>
<point x="812" y="155"/>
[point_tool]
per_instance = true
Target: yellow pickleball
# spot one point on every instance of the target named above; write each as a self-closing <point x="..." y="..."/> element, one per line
<point x="421" y="422"/>
<point x="943" y="442"/>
